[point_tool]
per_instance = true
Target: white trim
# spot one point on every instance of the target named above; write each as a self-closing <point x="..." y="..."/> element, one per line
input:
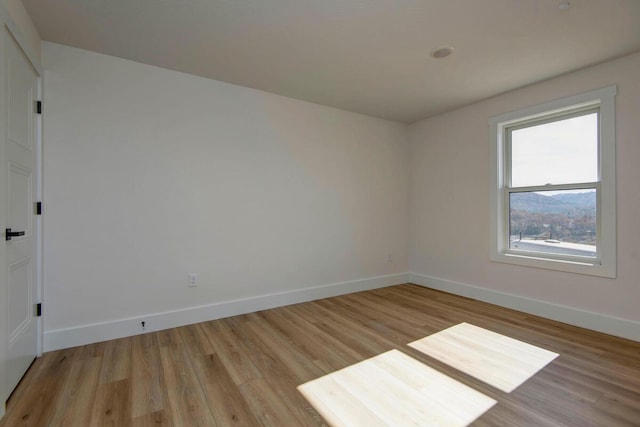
<point x="624" y="328"/>
<point x="19" y="38"/>
<point x="605" y="264"/>
<point x="582" y="100"/>
<point x="96" y="332"/>
<point x="39" y="222"/>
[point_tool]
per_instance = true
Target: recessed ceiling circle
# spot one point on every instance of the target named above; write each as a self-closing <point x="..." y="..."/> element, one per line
<point x="442" y="52"/>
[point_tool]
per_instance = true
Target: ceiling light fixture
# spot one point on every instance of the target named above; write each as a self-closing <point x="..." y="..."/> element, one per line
<point x="442" y="52"/>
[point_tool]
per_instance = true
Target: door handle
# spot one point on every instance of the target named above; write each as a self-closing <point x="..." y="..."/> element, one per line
<point x="9" y="234"/>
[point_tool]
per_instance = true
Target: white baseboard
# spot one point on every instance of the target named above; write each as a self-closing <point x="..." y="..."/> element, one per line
<point x="586" y="319"/>
<point x="86" y="334"/>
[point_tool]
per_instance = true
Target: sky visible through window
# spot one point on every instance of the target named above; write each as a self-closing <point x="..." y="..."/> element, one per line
<point x="561" y="152"/>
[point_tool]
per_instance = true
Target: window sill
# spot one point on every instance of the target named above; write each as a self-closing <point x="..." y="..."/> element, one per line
<point x="589" y="268"/>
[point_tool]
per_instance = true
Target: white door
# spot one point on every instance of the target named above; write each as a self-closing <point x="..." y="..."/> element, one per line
<point x="20" y="233"/>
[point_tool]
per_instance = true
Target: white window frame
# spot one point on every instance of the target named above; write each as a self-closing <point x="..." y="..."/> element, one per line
<point x="604" y="264"/>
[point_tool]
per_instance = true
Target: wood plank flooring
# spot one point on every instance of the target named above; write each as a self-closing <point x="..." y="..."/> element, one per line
<point x="244" y="370"/>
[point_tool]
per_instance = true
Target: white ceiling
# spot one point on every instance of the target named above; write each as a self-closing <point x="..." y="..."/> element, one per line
<point x="367" y="56"/>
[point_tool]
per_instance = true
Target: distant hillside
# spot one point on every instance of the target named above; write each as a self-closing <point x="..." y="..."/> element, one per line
<point x="559" y="203"/>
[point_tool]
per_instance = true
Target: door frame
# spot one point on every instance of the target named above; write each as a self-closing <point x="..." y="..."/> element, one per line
<point x="39" y="198"/>
<point x="9" y="29"/>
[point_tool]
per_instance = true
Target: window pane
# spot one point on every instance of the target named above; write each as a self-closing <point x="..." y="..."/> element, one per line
<point x="553" y="222"/>
<point x="560" y="152"/>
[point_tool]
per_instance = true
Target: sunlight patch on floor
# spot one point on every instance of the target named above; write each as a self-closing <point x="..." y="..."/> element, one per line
<point x="500" y="361"/>
<point x="394" y="389"/>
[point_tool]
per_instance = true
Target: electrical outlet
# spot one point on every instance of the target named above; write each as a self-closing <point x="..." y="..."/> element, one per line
<point x="192" y="280"/>
<point x="389" y="258"/>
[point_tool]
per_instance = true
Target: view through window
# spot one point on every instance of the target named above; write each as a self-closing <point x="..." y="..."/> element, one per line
<point x="561" y="156"/>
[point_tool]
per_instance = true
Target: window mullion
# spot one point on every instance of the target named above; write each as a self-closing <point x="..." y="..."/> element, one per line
<point x="554" y="187"/>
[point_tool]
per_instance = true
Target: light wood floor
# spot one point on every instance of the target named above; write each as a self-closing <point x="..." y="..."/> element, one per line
<point x="244" y="370"/>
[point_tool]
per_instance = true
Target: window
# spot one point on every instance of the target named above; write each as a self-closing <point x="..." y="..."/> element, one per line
<point x="553" y="185"/>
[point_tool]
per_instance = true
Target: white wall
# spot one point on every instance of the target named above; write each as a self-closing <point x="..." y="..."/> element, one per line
<point x="151" y="174"/>
<point x="449" y="240"/>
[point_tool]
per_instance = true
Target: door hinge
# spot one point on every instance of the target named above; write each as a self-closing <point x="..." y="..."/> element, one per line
<point x="39" y="309"/>
<point x="38" y="208"/>
<point x="39" y="107"/>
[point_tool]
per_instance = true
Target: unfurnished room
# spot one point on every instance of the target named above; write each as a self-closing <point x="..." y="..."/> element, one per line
<point x="320" y="213"/>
